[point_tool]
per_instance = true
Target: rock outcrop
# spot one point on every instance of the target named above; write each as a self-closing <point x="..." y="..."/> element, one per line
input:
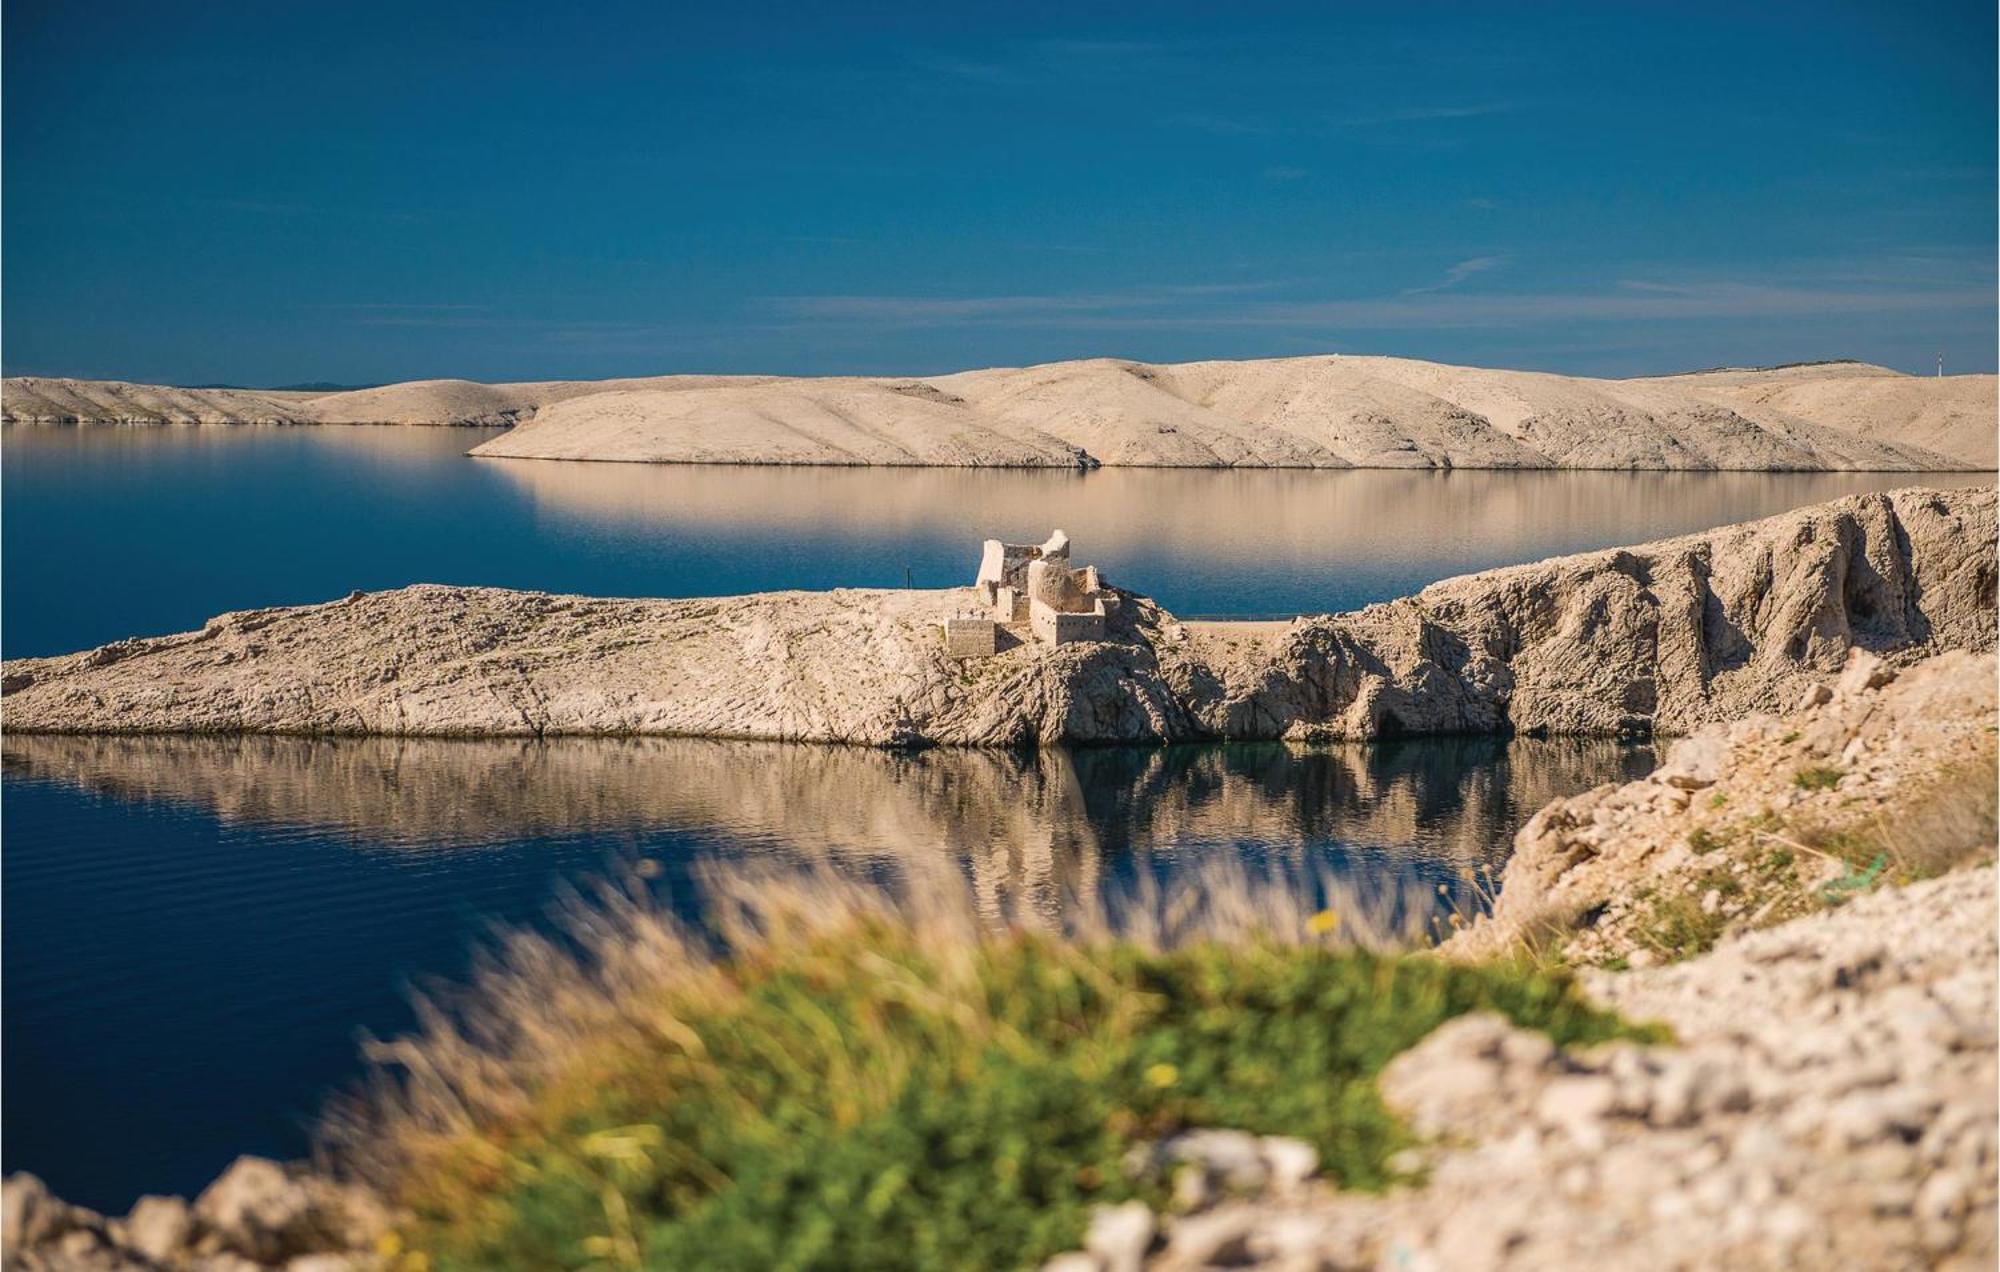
<point x="1668" y="636"/>
<point x="257" y="1214"/>
<point x="1315" y="412"/>
<point x="1876" y="775"/>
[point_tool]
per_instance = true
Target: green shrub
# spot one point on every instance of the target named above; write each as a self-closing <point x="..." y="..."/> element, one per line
<point x="872" y="1095"/>
<point x="1674" y="926"/>
<point x="1816" y="777"/>
<point x="1701" y="841"/>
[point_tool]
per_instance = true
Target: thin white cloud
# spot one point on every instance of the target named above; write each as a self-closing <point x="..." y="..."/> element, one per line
<point x="391" y="306"/>
<point x="1459" y="273"/>
<point x="1432" y="308"/>
<point x="1216" y="125"/>
<point x="1421" y="114"/>
<point x="998" y="309"/>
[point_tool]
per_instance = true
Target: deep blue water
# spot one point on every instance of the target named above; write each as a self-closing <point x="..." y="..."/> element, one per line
<point x="196" y="930"/>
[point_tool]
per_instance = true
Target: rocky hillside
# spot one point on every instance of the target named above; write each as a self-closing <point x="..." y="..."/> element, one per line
<point x="1951" y="414"/>
<point x="1830" y="1098"/>
<point x="1668" y="636"/>
<point x="1868" y="778"/>
<point x="1315" y="412"/>
<point x="40" y="400"/>
<point x="1829" y="1105"/>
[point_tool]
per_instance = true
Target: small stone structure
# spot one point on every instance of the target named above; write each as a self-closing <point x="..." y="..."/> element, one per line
<point x="971" y="638"/>
<point x="1031" y="593"/>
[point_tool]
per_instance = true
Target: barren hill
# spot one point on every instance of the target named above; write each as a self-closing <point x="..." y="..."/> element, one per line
<point x="1312" y="412"/>
<point x="1667" y="636"/>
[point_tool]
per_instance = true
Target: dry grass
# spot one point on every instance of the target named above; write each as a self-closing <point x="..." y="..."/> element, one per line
<point x="833" y="1072"/>
<point x="1943" y="824"/>
<point x="484" y="1051"/>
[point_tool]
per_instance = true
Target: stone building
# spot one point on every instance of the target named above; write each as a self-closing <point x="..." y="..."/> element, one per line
<point x="1031" y="592"/>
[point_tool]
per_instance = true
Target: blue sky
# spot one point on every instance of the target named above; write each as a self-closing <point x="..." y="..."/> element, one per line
<point x="277" y="192"/>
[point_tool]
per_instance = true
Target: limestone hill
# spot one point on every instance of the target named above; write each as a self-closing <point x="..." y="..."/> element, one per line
<point x="1311" y="412"/>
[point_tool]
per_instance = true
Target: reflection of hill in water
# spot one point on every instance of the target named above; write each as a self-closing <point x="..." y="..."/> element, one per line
<point x="1440" y="522"/>
<point x="1031" y="824"/>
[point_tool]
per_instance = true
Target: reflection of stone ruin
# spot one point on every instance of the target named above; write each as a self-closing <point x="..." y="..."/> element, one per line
<point x="1031" y="593"/>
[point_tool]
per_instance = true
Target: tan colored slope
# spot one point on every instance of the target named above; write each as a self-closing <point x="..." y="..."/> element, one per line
<point x="469" y="402"/>
<point x="827" y="421"/>
<point x="42" y="399"/>
<point x="1953" y="415"/>
<point x="1319" y="412"/>
<point x="1311" y="412"/>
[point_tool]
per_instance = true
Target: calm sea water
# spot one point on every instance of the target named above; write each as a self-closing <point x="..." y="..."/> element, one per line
<point x="114" y="532"/>
<point x="196" y="930"/>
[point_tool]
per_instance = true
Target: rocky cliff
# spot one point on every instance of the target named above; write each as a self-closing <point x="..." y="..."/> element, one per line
<point x="1829" y="1100"/>
<point x="1312" y="412"/>
<point x="1874" y="775"/>
<point x="1667" y="636"/>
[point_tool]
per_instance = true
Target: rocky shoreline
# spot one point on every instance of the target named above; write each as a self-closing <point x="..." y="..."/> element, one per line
<point x="1665" y="637"/>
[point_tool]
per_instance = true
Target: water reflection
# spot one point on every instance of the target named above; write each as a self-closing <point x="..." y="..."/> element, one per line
<point x="1201" y="541"/>
<point x="175" y="525"/>
<point x="195" y="928"/>
<point x="1029" y="826"/>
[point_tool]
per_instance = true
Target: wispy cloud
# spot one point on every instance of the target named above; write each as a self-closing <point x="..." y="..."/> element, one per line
<point x="1421" y="114"/>
<point x="990" y="309"/>
<point x="1024" y="63"/>
<point x="1218" y="125"/>
<point x="289" y="210"/>
<point x="390" y="306"/>
<point x="1459" y="273"/>
<point x="1435" y="307"/>
<point x="1116" y="51"/>
<point x="993" y="74"/>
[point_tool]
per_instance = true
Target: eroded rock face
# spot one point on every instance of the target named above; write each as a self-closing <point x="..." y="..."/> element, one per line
<point x="1667" y="636"/>
<point x="1752" y="821"/>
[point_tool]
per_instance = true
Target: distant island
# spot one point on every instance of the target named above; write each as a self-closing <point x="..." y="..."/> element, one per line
<point x="1332" y="411"/>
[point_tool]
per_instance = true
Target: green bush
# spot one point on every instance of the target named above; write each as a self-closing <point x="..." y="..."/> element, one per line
<point x="1816" y="777"/>
<point x="867" y="1098"/>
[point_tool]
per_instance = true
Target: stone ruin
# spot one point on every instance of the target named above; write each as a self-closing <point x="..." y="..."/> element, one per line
<point x="1031" y="592"/>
